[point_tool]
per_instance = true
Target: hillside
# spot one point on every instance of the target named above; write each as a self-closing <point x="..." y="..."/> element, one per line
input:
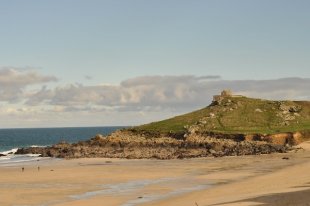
<point x="231" y="125"/>
<point x="230" y="114"/>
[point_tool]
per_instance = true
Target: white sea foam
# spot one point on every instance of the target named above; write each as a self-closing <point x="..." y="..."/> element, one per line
<point x="32" y="155"/>
<point x="11" y="151"/>
<point x="11" y="159"/>
<point x="38" y="146"/>
<point x="18" y="159"/>
<point x="4" y="158"/>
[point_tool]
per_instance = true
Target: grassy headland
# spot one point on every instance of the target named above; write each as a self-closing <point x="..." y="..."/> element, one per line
<point x="238" y="114"/>
<point x="231" y="125"/>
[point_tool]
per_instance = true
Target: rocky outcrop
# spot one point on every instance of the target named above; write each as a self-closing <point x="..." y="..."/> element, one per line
<point x="131" y="145"/>
<point x="288" y="113"/>
<point x="288" y="138"/>
<point x="219" y="129"/>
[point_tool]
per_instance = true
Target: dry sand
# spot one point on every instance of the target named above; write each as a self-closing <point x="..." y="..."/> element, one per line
<point x="247" y="180"/>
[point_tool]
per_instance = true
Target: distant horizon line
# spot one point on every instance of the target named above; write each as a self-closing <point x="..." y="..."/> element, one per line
<point x="63" y="127"/>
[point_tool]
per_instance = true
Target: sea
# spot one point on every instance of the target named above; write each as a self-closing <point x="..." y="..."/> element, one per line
<point x="12" y="139"/>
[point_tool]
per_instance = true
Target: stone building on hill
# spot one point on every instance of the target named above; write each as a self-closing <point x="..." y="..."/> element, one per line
<point x="224" y="94"/>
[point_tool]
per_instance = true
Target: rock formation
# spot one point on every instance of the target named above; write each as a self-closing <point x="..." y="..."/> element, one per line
<point x="130" y="145"/>
<point x="231" y="125"/>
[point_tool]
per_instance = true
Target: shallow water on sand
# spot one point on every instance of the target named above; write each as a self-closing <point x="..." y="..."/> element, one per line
<point x="132" y="182"/>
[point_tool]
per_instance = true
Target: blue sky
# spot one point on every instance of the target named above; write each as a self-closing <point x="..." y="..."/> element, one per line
<point x="94" y="42"/>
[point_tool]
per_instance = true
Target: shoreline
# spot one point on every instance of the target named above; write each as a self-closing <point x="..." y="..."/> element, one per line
<point x="130" y="145"/>
<point x="12" y="160"/>
<point x="151" y="182"/>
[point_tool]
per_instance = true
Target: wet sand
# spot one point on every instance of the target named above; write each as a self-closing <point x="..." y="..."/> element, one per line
<point x="247" y="180"/>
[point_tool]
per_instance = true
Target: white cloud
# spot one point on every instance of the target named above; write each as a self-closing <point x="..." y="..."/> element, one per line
<point x="133" y="101"/>
<point x="14" y="81"/>
<point x="166" y="92"/>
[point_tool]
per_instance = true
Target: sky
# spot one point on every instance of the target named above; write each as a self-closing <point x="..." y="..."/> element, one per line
<point x="101" y="63"/>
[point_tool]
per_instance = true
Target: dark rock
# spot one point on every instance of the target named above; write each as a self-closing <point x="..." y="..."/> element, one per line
<point x="131" y="145"/>
<point x="294" y="109"/>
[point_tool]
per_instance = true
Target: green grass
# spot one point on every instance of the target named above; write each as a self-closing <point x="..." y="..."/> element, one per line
<point x="237" y="115"/>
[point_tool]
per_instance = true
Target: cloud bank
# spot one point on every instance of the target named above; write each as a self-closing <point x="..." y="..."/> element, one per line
<point x="167" y="92"/>
<point x="14" y="81"/>
<point x="134" y="100"/>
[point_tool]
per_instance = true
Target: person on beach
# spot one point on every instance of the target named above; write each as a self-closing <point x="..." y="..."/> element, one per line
<point x="38" y="168"/>
<point x="23" y="169"/>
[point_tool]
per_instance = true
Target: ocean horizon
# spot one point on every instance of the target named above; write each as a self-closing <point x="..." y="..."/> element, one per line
<point x="13" y="138"/>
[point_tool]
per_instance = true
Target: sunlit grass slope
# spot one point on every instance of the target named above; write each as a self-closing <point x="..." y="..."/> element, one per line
<point x="239" y="115"/>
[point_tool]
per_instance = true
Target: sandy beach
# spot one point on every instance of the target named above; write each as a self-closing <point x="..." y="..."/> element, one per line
<point x="245" y="180"/>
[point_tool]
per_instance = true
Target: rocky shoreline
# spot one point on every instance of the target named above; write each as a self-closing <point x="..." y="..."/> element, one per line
<point x="131" y="145"/>
<point x="226" y="127"/>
